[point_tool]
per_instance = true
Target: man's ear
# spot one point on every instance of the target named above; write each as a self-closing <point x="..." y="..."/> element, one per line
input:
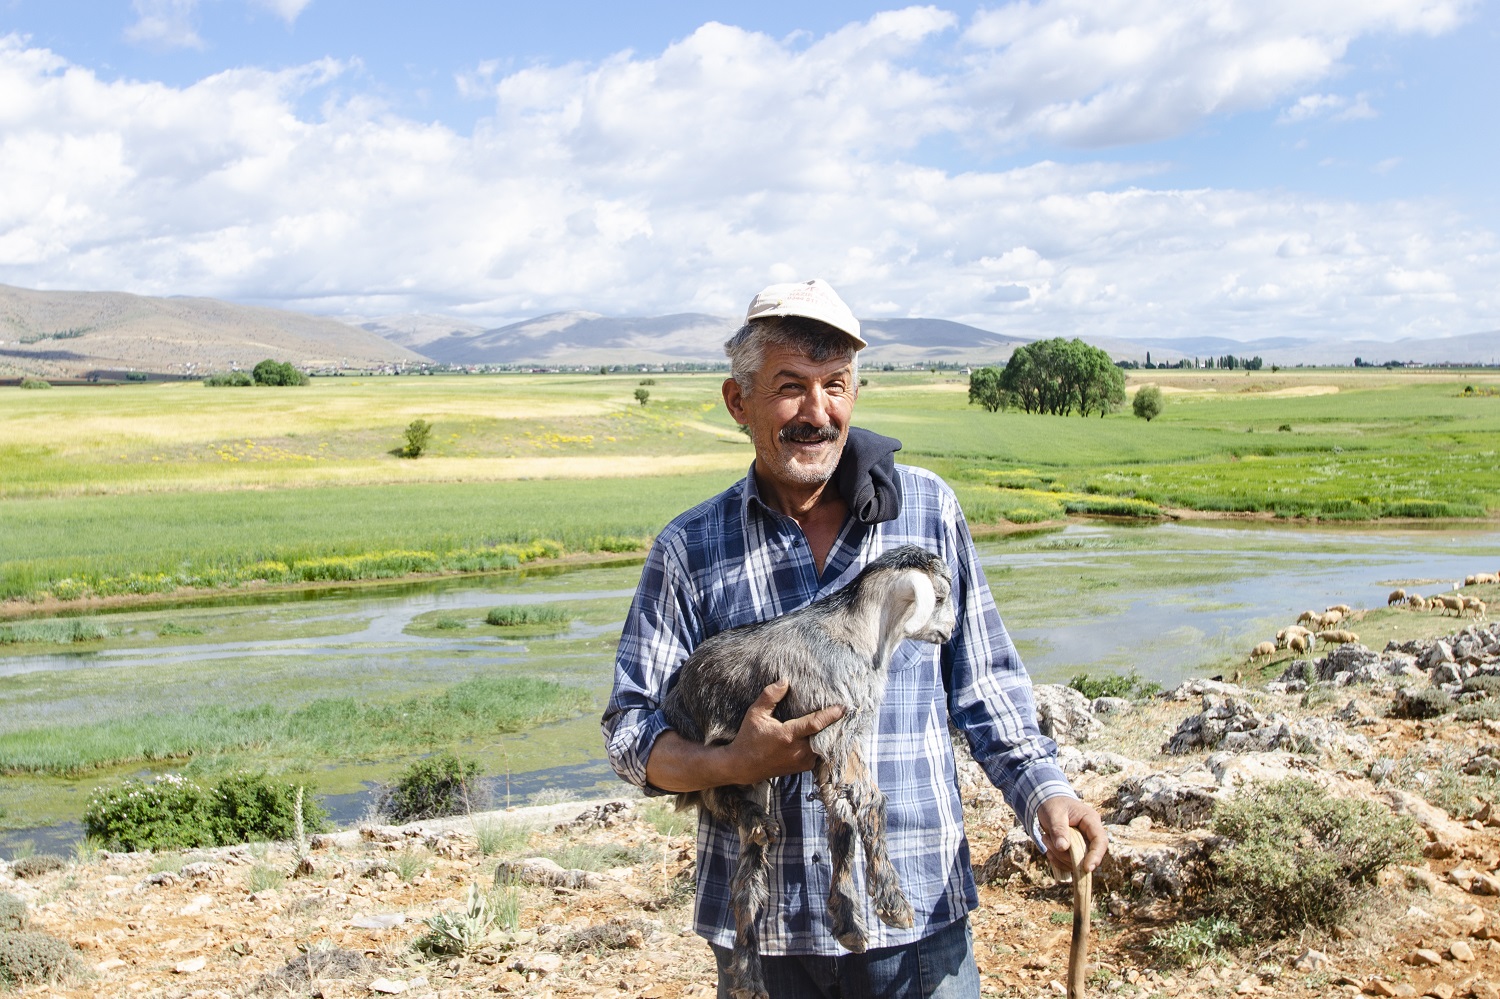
<point x="734" y="400"/>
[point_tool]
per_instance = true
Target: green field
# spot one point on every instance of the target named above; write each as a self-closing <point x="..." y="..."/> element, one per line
<point x="152" y="488"/>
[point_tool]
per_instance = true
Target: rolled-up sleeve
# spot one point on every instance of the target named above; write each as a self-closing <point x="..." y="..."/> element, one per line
<point x="989" y="692"/>
<point x="662" y="628"/>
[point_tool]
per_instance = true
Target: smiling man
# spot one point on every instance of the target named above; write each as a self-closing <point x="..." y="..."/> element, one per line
<point x="820" y="502"/>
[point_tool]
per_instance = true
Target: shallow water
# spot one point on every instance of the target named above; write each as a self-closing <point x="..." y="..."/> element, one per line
<point x="1167" y="600"/>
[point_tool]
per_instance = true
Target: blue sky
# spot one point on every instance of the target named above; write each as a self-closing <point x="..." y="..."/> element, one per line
<point x="1054" y="167"/>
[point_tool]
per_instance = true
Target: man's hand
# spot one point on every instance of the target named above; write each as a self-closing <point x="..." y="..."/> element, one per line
<point x="764" y="747"/>
<point x="1055" y="815"/>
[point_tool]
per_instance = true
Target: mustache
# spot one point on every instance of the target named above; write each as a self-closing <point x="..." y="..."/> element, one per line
<point x="806" y="433"/>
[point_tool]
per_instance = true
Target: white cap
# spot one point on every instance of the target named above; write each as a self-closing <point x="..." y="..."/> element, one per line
<point x="809" y="299"/>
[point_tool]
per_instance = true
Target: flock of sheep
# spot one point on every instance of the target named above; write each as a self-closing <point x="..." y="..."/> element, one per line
<point x="1323" y="627"/>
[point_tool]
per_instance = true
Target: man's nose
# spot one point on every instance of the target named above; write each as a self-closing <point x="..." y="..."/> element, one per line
<point x="814" y="408"/>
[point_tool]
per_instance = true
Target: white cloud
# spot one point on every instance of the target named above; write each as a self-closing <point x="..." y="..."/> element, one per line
<point x="287" y="10"/>
<point x="165" y="24"/>
<point x="685" y="180"/>
<point x="1334" y="107"/>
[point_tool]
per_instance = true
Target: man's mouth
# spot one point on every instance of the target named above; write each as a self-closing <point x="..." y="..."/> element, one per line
<point x="803" y="433"/>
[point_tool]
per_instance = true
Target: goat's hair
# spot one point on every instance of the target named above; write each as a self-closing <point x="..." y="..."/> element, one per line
<point x="834" y="651"/>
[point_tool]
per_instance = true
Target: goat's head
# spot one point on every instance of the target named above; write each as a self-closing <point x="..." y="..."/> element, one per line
<point x="914" y="592"/>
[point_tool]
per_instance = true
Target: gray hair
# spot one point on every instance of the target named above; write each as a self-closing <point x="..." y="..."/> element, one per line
<point x="819" y="341"/>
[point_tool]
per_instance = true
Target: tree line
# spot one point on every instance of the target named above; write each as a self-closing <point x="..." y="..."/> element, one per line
<point x="1054" y="376"/>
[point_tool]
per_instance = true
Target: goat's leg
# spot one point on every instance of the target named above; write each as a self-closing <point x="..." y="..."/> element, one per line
<point x="844" y="908"/>
<point x="880" y="877"/>
<point x="748" y="889"/>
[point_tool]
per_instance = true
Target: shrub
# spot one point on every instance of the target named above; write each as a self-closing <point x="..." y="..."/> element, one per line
<point x="1197" y="941"/>
<point x="1298" y="857"/>
<point x="1487" y="684"/>
<point x="12" y="913"/>
<point x="430" y="788"/>
<point x="172" y="812"/>
<point x="1429" y="702"/>
<point x="37" y="865"/>
<point x="1115" y="685"/>
<point x="252" y="806"/>
<point x="28" y="958"/>
<point x="35" y="383"/>
<point x="1148" y="402"/>
<point x="513" y="617"/>
<point x="484" y="920"/>
<point x="229" y="379"/>
<point x="642" y="396"/>
<point x="417" y="434"/>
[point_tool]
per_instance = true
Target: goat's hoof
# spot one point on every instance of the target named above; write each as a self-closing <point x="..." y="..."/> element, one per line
<point x="852" y="940"/>
<point x="749" y="991"/>
<point x="895" y="912"/>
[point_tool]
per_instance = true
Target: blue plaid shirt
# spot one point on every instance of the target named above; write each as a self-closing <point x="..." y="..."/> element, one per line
<point x="732" y="560"/>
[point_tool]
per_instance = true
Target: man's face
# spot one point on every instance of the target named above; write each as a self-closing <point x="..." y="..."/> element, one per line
<point x="798" y="412"/>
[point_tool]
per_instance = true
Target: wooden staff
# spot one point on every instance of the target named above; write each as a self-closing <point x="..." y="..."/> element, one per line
<point x="1083" y="903"/>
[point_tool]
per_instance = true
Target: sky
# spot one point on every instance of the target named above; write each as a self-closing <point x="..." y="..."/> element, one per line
<point x="1150" y="168"/>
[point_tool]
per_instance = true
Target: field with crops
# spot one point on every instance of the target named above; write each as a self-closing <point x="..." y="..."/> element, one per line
<point x="147" y="489"/>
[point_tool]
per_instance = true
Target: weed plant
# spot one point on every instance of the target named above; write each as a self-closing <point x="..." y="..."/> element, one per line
<point x="263" y="877"/>
<point x="411" y="864"/>
<point x="431" y="788"/>
<point x="587" y="856"/>
<point x="484" y="920"/>
<point x="12" y="913"/>
<point x="63" y="631"/>
<point x="172" y="812"/>
<point x="37" y="864"/>
<point x="668" y="821"/>
<point x="1116" y="685"/>
<point x="1196" y="942"/>
<point x="496" y="837"/>
<point x="512" y="617"/>
<point x="1297" y="857"/>
<point x="31" y="958"/>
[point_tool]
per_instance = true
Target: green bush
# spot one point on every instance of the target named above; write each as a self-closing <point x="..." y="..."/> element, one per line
<point x="35" y="383"/>
<point x="12" y="913"/>
<point x="513" y="617"/>
<point x="417" y="434"/>
<point x="1197" y="941"/>
<point x="430" y="788"/>
<point x="1148" y="402"/>
<point x="1114" y="685"/>
<point x="252" y="806"/>
<point x="1297" y="857"/>
<point x="229" y="379"/>
<point x="37" y="864"/>
<point x="1487" y="684"/>
<point x="172" y="812"/>
<point x="29" y="958"/>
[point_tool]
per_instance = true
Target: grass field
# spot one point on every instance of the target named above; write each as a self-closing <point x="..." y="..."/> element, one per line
<point x="146" y="489"/>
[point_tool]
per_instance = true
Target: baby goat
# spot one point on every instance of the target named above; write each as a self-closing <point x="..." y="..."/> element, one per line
<point x="833" y="651"/>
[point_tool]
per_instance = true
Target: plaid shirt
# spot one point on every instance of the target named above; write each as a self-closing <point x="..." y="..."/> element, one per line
<point x="731" y="561"/>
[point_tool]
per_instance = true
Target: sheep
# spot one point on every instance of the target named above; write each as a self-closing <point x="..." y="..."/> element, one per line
<point x="1476" y="605"/>
<point x="1286" y="633"/>
<point x="1481" y="579"/>
<point x="1333" y="616"/>
<point x="1396" y="597"/>
<point x="1308" y="617"/>
<point x="836" y="650"/>
<point x="1299" y="643"/>
<point x="1343" y="609"/>
<point x="1337" y="637"/>
<point x="1417" y="601"/>
<point x="1451" y="602"/>
<point x="1263" y="649"/>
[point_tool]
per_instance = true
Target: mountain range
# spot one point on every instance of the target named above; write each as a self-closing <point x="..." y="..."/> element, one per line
<point x="76" y="333"/>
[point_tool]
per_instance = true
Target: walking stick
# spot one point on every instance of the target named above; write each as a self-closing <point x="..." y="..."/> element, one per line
<point x="1083" y="902"/>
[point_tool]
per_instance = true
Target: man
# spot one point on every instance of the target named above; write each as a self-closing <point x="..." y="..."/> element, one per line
<point x="809" y="515"/>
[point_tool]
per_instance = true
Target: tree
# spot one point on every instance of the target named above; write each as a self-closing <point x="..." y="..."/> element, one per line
<point x="1148" y="402"/>
<point x="417" y="433"/>
<point x="1057" y="376"/>
<point x="984" y="388"/>
<point x="269" y="372"/>
<point x="641" y="395"/>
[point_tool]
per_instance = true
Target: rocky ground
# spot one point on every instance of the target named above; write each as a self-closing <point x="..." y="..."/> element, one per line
<point x="603" y="891"/>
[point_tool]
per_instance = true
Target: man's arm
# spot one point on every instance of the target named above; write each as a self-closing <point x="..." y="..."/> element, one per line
<point x="763" y="748"/>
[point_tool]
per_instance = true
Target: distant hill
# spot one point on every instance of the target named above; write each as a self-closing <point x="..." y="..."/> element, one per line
<point x="1467" y="348"/>
<point x="692" y="337"/>
<point x="73" y="333"/>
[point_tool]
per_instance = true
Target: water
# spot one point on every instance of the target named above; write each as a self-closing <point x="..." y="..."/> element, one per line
<point x="1167" y="600"/>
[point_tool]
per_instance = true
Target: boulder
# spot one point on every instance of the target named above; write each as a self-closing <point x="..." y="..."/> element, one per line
<point x="1064" y="714"/>
<point x="1191" y="689"/>
<point x="1155" y="862"/>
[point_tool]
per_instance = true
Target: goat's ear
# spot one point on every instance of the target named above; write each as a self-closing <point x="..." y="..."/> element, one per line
<point x="916" y="587"/>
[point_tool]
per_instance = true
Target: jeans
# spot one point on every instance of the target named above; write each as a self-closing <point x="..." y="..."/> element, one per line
<point x="939" y="966"/>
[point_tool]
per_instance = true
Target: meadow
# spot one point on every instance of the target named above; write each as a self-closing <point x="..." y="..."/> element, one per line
<point x="147" y="489"/>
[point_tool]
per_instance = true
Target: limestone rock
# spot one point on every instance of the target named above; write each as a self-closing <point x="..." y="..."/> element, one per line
<point x="602" y="816"/>
<point x="1064" y="714"/>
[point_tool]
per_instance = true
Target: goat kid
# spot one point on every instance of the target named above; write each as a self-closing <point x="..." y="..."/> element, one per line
<point x="836" y="650"/>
